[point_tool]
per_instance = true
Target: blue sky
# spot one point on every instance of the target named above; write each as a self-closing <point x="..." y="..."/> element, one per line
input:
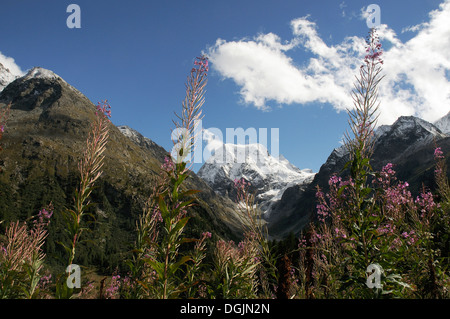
<point x="137" y="54"/>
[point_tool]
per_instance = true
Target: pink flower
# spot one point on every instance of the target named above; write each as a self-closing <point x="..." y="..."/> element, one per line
<point x="438" y="153"/>
<point x="207" y="234"/>
<point x="45" y="214"/>
<point x="168" y="165"/>
<point x="104" y="108"/>
<point x="373" y="49"/>
<point x="203" y="63"/>
<point x="157" y="215"/>
<point x="334" y="180"/>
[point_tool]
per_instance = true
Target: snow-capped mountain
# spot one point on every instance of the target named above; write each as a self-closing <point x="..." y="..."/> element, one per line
<point x="412" y="132"/>
<point x="6" y="77"/>
<point x="269" y="176"/>
<point x="444" y="124"/>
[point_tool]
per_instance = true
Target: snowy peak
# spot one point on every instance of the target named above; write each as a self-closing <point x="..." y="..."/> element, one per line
<point x="252" y="162"/>
<point x="238" y="153"/>
<point x="412" y="132"/>
<point x="411" y="122"/>
<point x="406" y="135"/>
<point x="40" y="73"/>
<point x="269" y="176"/>
<point x="444" y="124"/>
<point x="6" y="77"/>
<point x="130" y="133"/>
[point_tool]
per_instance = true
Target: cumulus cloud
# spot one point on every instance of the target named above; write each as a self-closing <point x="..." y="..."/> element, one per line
<point x="416" y="72"/>
<point x="10" y="64"/>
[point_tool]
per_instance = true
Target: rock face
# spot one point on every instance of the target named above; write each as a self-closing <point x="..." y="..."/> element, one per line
<point x="409" y="144"/>
<point x="43" y="141"/>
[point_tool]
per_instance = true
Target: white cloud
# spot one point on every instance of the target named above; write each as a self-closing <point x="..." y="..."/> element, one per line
<point x="413" y="28"/>
<point x="416" y="81"/>
<point x="10" y="64"/>
<point x="264" y="72"/>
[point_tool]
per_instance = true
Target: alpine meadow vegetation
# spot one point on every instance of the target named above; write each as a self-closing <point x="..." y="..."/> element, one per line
<point x="364" y="218"/>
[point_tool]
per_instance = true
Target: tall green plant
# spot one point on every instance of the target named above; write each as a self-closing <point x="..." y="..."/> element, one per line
<point x="255" y="230"/>
<point x="160" y="231"/>
<point x="22" y="257"/>
<point x="348" y="239"/>
<point x="90" y="169"/>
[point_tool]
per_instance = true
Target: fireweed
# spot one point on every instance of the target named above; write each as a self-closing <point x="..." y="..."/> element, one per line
<point x="161" y="227"/>
<point x="235" y="269"/>
<point x="90" y="169"/>
<point x="345" y="242"/>
<point x="370" y="217"/>
<point x="22" y="257"/>
<point x="255" y="231"/>
<point x="431" y="222"/>
<point x="236" y="266"/>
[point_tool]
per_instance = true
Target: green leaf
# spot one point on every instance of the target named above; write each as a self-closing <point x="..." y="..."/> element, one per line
<point x="163" y="208"/>
<point x="157" y="266"/>
<point x="178" y="227"/>
<point x="174" y="267"/>
<point x="186" y="203"/>
<point x="366" y="191"/>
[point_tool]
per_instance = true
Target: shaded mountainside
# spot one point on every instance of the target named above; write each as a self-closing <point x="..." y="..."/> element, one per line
<point x="42" y="144"/>
<point x="409" y="144"/>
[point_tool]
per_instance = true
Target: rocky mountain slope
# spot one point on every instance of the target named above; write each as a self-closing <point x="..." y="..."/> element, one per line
<point x="42" y="144"/>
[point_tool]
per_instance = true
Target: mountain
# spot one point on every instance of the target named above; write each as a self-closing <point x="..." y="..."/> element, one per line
<point x="409" y="144"/>
<point x="444" y="124"/>
<point x="42" y="144"/>
<point x="269" y="176"/>
<point x="157" y="151"/>
<point x="6" y="77"/>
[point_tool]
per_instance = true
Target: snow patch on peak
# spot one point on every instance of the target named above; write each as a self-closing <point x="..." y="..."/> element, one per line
<point x="40" y="73"/>
<point x="411" y="121"/>
<point x="405" y="125"/>
<point x="444" y="124"/>
<point x="128" y="131"/>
